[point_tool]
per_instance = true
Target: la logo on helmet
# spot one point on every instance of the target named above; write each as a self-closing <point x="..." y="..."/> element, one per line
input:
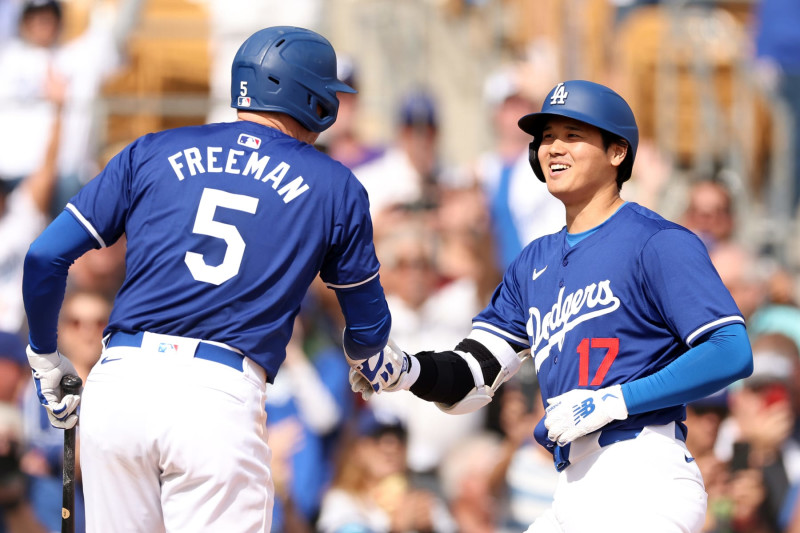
<point x="559" y="95"/>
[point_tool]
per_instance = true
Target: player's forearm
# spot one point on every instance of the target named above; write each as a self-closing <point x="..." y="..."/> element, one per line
<point x="367" y="318"/>
<point x="449" y="377"/>
<point x="708" y="367"/>
<point x="45" y="277"/>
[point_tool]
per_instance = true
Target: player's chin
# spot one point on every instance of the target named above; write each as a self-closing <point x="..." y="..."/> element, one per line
<point x="556" y="182"/>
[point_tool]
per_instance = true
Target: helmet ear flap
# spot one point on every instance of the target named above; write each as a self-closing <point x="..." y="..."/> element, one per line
<point x="533" y="159"/>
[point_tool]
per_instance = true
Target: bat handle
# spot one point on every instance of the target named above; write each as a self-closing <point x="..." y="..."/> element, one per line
<point x="69" y="385"/>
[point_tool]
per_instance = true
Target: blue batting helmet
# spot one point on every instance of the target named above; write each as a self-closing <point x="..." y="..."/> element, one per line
<point x="591" y="103"/>
<point x="289" y="70"/>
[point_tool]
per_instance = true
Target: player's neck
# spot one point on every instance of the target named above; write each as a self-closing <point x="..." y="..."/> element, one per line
<point x="598" y="209"/>
<point x="281" y="122"/>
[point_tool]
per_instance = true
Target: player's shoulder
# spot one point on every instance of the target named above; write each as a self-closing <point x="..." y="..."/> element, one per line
<point x="648" y="228"/>
<point x="642" y="219"/>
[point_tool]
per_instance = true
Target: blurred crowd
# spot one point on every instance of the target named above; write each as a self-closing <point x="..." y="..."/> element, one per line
<point x="444" y="233"/>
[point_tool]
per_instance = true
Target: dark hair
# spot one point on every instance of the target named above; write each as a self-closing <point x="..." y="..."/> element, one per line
<point x="625" y="169"/>
<point x="37" y="6"/>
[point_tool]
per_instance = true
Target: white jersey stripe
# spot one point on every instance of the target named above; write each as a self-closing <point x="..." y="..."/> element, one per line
<point x="495" y="329"/>
<point x="728" y="319"/>
<point x="334" y="286"/>
<point x="86" y="224"/>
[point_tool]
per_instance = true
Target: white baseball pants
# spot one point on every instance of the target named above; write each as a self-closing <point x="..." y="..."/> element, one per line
<point x="170" y="442"/>
<point x="648" y="483"/>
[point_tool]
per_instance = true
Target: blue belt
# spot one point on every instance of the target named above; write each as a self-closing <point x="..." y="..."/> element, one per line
<point x="610" y="436"/>
<point x="209" y="352"/>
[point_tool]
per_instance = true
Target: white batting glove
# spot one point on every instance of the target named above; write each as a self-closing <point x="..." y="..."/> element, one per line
<point x="48" y="369"/>
<point x="390" y="369"/>
<point x="581" y="411"/>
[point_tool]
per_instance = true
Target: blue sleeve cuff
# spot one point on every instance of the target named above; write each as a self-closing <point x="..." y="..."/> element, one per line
<point x="367" y="319"/>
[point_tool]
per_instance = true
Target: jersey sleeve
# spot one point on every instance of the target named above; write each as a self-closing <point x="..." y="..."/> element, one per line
<point x="351" y="259"/>
<point x="504" y="316"/>
<point x="685" y="287"/>
<point x="102" y="205"/>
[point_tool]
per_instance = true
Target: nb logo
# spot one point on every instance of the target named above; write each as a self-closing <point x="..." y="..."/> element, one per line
<point x="582" y="410"/>
<point x="559" y="96"/>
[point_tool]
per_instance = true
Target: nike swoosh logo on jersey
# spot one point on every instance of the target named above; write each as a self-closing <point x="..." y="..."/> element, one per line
<point x="108" y="360"/>
<point x="537" y="273"/>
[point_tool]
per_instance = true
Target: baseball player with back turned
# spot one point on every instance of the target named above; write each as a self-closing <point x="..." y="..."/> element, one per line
<point x="626" y="320"/>
<point x="227" y="225"/>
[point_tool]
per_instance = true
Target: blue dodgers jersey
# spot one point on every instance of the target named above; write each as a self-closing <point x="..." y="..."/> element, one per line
<point x="227" y="226"/>
<point x="620" y="305"/>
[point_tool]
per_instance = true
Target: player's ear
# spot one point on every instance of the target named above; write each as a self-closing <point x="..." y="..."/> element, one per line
<point x="618" y="151"/>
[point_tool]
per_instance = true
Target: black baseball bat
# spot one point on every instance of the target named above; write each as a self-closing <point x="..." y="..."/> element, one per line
<point x="69" y="385"/>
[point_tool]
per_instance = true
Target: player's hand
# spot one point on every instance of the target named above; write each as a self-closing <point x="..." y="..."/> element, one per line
<point x="581" y="411"/>
<point x="387" y="370"/>
<point x="48" y="369"/>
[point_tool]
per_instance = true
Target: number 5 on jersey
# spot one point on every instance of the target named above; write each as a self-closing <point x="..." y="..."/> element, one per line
<point x="204" y="224"/>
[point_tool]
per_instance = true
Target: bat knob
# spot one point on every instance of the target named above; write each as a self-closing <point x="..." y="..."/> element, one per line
<point x="71" y="384"/>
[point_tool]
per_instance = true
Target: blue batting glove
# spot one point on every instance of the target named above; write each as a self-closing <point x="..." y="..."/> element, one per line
<point x="390" y="369"/>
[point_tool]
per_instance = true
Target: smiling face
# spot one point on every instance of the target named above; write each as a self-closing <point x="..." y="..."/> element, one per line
<point x="576" y="162"/>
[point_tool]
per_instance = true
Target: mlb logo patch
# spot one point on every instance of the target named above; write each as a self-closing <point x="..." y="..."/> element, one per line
<point x="167" y="347"/>
<point x="244" y="101"/>
<point x="249" y="141"/>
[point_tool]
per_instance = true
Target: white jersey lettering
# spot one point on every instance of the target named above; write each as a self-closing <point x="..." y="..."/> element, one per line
<point x="566" y="313"/>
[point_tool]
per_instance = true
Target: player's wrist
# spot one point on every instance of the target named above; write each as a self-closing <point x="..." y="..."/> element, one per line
<point x="614" y="401"/>
<point x="408" y="376"/>
<point x="42" y="361"/>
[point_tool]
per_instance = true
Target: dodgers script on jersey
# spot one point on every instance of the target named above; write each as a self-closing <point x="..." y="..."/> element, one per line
<point x="611" y="309"/>
<point x="227" y="226"/>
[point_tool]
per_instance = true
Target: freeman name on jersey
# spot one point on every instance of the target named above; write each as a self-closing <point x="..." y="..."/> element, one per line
<point x="235" y="162"/>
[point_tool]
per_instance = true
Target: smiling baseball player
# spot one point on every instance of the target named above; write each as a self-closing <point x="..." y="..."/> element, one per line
<point x="227" y="225"/>
<point x="625" y="318"/>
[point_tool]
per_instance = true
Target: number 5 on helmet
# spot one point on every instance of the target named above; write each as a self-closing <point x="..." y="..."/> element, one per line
<point x="390" y="369"/>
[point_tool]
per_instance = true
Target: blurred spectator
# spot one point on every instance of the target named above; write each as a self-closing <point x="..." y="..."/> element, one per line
<point x="16" y="514"/>
<point x="777" y="49"/>
<point x="342" y="141"/>
<point x="84" y="316"/>
<point x="14" y="368"/>
<point x="743" y="275"/>
<point x="24" y="210"/>
<point x="709" y="213"/>
<point x="703" y="420"/>
<point x="461" y="227"/>
<point x="306" y="398"/>
<point x="410" y="172"/>
<point x="425" y="313"/>
<point x="521" y="207"/>
<point x="101" y="270"/>
<point x="371" y="493"/>
<point x="524" y="479"/>
<point x="466" y="479"/>
<point x="85" y="62"/>
<point x="761" y="435"/>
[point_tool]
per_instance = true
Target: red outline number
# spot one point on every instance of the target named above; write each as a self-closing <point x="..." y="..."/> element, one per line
<point x="612" y="349"/>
